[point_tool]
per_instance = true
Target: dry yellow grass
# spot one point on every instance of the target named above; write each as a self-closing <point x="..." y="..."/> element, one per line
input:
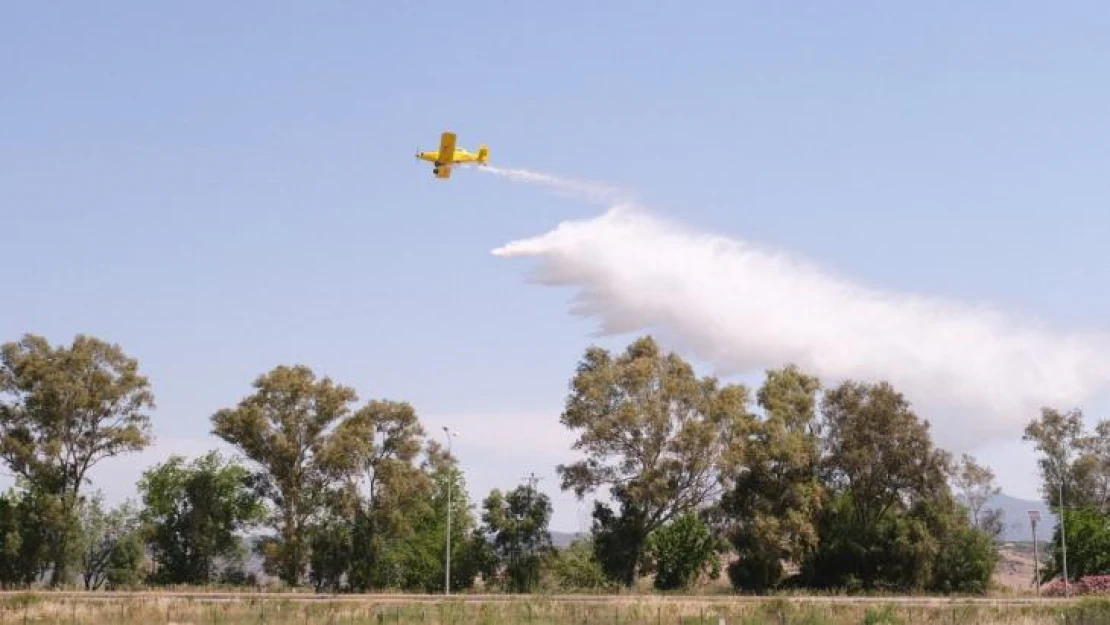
<point x="288" y="609"/>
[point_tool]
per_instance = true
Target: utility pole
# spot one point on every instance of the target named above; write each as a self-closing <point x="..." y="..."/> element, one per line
<point x="1035" y="516"/>
<point x="450" y="480"/>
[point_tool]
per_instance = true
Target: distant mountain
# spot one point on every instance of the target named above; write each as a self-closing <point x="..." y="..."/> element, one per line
<point x="564" y="539"/>
<point x="1015" y="517"/>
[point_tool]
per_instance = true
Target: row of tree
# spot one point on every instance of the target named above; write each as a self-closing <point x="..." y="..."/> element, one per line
<point x="792" y="485"/>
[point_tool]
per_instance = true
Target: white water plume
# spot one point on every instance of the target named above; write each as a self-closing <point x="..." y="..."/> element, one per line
<point x="593" y="192"/>
<point x="974" y="373"/>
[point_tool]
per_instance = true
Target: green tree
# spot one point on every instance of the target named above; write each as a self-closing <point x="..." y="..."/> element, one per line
<point x="889" y="506"/>
<point x="619" y="540"/>
<point x="418" y="561"/>
<point x="101" y="531"/>
<point x="287" y="427"/>
<point x="382" y="490"/>
<point x="24" y="537"/>
<point x="683" y="549"/>
<point x="975" y="487"/>
<point x="194" y="514"/>
<point x="661" y="439"/>
<point x="1072" y="459"/>
<point x="397" y="538"/>
<point x="1057" y="437"/>
<point x="125" y="562"/>
<point x="63" y="410"/>
<point x="332" y="549"/>
<point x="772" y="510"/>
<point x="1088" y="540"/>
<point x="517" y="524"/>
<point x="880" y="450"/>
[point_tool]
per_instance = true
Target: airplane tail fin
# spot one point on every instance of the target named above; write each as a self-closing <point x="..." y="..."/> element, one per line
<point x="483" y="154"/>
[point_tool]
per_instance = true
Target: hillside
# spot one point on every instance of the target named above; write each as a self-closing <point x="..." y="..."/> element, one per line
<point x="1015" y="516"/>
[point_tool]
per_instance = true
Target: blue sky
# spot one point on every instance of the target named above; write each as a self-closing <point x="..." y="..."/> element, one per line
<point x="221" y="188"/>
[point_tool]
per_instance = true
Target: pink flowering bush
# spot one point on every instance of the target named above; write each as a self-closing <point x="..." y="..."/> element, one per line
<point x="1088" y="585"/>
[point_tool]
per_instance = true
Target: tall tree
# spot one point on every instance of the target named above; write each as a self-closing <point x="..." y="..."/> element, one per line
<point x="661" y="439"/>
<point x="1058" y="437"/>
<point x="879" y="449"/>
<point x="418" y="558"/>
<point x="975" y="486"/>
<point x="286" y="426"/>
<point x="384" y="489"/>
<point x="517" y="522"/>
<point x="379" y="492"/>
<point x="771" y="511"/>
<point x="194" y="514"/>
<point x="888" y="507"/>
<point x="63" y="410"/>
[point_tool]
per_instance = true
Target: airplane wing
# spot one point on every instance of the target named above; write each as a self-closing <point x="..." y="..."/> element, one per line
<point x="446" y="148"/>
<point x="443" y="171"/>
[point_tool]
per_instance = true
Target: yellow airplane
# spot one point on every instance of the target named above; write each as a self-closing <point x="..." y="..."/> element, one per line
<point x="448" y="156"/>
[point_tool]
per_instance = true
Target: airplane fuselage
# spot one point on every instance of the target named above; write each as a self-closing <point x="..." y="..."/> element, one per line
<point x="460" y="156"/>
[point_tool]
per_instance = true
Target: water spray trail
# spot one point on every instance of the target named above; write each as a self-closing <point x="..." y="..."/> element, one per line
<point x="592" y="192"/>
<point x="974" y="373"/>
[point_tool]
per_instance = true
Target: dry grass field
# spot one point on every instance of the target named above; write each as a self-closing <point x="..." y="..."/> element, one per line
<point x="290" y="609"/>
<point x="1012" y="603"/>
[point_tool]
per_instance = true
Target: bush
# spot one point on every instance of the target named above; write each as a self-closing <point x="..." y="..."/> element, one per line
<point x="1087" y="585"/>
<point x="682" y="550"/>
<point x="577" y="568"/>
<point x="966" y="562"/>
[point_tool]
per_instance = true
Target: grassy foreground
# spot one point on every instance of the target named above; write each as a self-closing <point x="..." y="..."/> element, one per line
<point x="230" y="609"/>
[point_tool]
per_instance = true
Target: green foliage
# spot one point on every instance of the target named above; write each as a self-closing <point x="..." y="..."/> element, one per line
<point x="889" y="520"/>
<point x="1056" y="436"/>
<point x="332" y="551"/>
<point x="1073" y="461"/>
<point x="382" y="493"/>
<point x="101" y="532"/>
<point x="286" y="426"/>
<point x="125" y="561"/>
<point x="966" y="561"/>
<point x="881" y="616"/>
<point x="24" y="538"/>
<point x="771" y="511"/>
<point x="618" y="541"/>
<point x="194" y="513"/>
<point x="575" y="567"/>
<point x="891" y="552"/>
<point x="517" y="523"/>
<point x="1088" y="542"/>
<point x="662" y="439"/>
<point x="683" y="549"/>
<point x="404" y="549"/>
<point x="419" y="560"/>
<point x="62" y="411"/>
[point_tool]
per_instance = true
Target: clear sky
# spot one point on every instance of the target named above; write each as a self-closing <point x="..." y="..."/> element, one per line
<point x="224" y="187"/>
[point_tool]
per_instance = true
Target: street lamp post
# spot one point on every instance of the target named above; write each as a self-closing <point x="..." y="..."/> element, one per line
<point x="447" y="565"/>
<point x="1035" y="516"/>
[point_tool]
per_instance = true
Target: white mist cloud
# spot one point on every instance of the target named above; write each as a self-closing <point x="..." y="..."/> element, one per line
<point x="976" y="374"/>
